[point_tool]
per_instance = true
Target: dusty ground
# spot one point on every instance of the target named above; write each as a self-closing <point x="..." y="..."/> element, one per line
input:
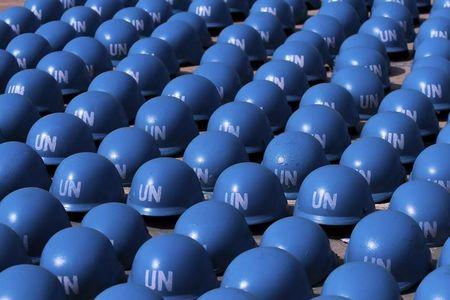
<point x="400" y="69"/>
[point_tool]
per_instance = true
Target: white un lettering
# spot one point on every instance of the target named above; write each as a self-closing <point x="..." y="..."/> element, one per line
<point x="150" y="193"/>
<point x="430" y="229"/>
<point x="70" y="284"/>
<point x="385" y="263"/>
<point x="324" y="199"/>
<point x="45" y="143"/>
<point x="158" y="280"/>
<point x="203" y="11"/>
<point x="70" y="188"/>
<point x="238" y="200"/>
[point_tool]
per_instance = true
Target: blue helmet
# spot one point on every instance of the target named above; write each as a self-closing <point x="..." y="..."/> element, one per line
<point x="38" y="86"/>
<point x="400" y="14"/>
<point x="444" y="135"/>
<point x="215" y="12"/>
<point x="159" y="10"/>
<point x="358" y="280"/>
<point x="434" y="285"/>
<point x="399" y="130"/>
<point x="314" y="39"/>
<point x="117" y="36"/>
<point x="100" y="111"/>
<point x="39" y="282"/>
<point x="128" y="148"/>
<point x="306" y="56"/>
<point x="336" y="97"/>
<point x="227" y="293"/>
<point x="433" y="47"/>
<point x="325" y="124"/>
<point x="84" y="261"/>
<point x="184" y="40"/>
<point x="299" y="10"/>
<point x="199" y="93"/>
<point x="122" y="87"/>
<point x="388" y="31"/>
<point x="432" y="165"/>
<point x="35" y="215"/>
<point x="179" y="6"/>
<point x="433" y="83"/>
<point x="28" y="49"/>
<point x="411" y="5"/>
<point x="161" y="265"/>
<point x="225" y="78"/>
<point x="59" y="135"/>
<point x="439" y="11"/>
<point x="149" y="72"/>
<point x="444" y="258"/>
<point x="437" y="27"/>
<point x="248" y="272"/>
<point x="68" y="70"/>
<point x="432" y="215"/>
<point x="246" y="38"/>
<point x="6" y="34"/>
<point x="153" y="191"/>
<point x="21" y="167"/>
<point x="269" y="28"/>
<point x="13" y="252"/>
<point x="160" y="49"/>
<point x="365" y="41"/>
<point x="45" y="10"/>
<point x="253" y="190"/>
<point x="219" y="228"/>
<point x="21" y="19"/>
<point x="440" y="4"/>
<point x="20" y="116"/>
<point x="92" y="52"/>
<point x="287" y="75"/>
<point x="137" y="17"/>
<point x="365" y="87"/>
<point x="85" y="180"/>
<point x="378" y="162"/>
<point x="169" y="121"/>
<point x="122" y="225"/>
<point x="359" y="6"/>
<point x="105" y="8"/>
<point x="292" y="156"/>
<point x="416" y="106"/>
<point x="244" y="120"/>
<point x="83" y="19"/>
<point x="210" y="153"/>
<point x="344" y="13"/>
<point x="8" y="67"/>
<point x="270" y="98"/>
<point x="128" y="290"/>
<point x="367" y="58"/>
<point x="329" y="29"/>
<point x="197" y="23"/>
<point x="334" y="195"/>
<point x="57" y="34"/>
<point x="433" y="62"/>
<point x="279" y="9"/>
<point x="394" y="241"/>
<point x="231" y="55"/>
<point x="306" y="241"/>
